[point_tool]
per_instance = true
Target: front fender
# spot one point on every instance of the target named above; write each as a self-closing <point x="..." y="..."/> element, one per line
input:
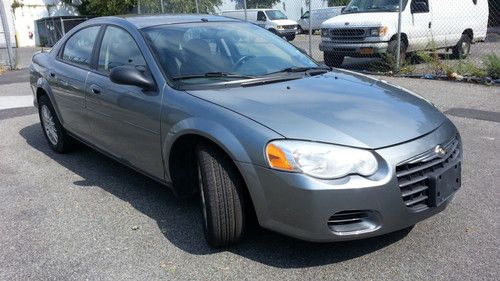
<point x="208" y="129"/>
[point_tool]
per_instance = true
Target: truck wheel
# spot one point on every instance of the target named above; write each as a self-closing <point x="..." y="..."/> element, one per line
<point x="290" y="37"/>
<point x="222" y="199"/>
<point x="54" y="132"/>
<point x="462" y="49"/>
<point x="333" y="59"/>
<point x="392" y="50"/>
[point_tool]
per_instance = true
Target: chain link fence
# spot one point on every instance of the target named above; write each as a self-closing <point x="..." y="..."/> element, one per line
<point x="420" y="37"/>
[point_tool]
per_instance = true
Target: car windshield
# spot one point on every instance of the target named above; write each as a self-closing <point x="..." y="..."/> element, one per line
<point x="367" y="6"/>
<point x="208" y="52"/>
<point x="276" y="15"/>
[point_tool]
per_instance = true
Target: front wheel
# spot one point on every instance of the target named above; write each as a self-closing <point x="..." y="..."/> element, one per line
<point x="290" y="37"/>
<point x="392" y="50"/>
<point x="222" y="196"/>
<point x="462" y="49"/>
<point x="333" y="59"/>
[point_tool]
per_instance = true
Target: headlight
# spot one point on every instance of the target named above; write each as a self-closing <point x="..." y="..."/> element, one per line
<point x="324" y="161"/>
<point x="279" y="27"/>
<point x="378" y="31"/>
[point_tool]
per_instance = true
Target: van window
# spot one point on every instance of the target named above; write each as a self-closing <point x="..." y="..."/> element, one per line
<point x="261" y="16"/>
<point x="305" y="15"/>
<point x="275" y="15"/>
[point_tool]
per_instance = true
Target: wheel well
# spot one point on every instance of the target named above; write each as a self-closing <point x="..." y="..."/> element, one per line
<point x="184" y="170"/>
<point x="404" y="38"/>
<point x="469" y="33"/>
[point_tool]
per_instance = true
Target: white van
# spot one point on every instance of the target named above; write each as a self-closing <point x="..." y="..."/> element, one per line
<point x="369" y="28"/>
<point x="318" y="17"/>
<point x="272" y="20"/>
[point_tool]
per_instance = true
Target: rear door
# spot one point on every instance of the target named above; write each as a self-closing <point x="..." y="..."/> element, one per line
<point x="124" y="119"/>
<point x="67" y="79"/>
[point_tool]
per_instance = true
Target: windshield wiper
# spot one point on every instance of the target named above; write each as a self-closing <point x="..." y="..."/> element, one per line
<point x="213" y="75"/>
<point x="295" y="69"/>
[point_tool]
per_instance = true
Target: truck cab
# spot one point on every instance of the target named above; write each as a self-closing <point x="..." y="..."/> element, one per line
<point x="368" y="28"/>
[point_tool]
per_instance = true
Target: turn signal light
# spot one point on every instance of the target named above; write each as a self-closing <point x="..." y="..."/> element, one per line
<point x="277" y="158"/>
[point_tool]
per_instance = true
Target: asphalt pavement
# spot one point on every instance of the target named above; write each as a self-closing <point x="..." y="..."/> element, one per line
<point x="82" y="216"/>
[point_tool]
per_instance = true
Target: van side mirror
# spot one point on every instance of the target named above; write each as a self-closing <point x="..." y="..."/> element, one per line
<point x="129" y="75"/>
<point x="419" y="7"/>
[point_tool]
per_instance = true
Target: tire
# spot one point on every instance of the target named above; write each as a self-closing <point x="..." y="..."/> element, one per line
<point x="290" y="37"/>
<point x="222" y="197"/>
<point x="392" y="51"/>
<point x="462" y="49"/>
<point x="333" y="59"/>
<point x="56" y="135"/>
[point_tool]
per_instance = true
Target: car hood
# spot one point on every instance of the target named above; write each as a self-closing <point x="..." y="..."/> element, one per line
<point x="337" y="107"/>
<point x="361" y="20"/>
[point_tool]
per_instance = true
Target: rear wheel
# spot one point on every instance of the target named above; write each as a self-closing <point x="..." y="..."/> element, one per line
<point x="56" y="135"/>
<point x="462" y="49"/>
<point x="333" y="59"/>
<point x="222" y="197"/>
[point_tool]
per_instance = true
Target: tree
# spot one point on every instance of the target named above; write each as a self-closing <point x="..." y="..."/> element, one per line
<point x="118" y="7"/>
<point x="332" y="3"/>
<point x="105" y="7"/>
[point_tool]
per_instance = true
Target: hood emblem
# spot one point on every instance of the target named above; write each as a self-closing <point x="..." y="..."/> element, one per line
<point x="440" y="151"/>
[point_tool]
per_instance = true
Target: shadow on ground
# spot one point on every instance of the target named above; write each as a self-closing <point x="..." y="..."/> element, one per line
<point x="180" y="221"/>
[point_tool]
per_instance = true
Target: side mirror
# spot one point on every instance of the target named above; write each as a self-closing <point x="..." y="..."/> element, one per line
<point x="129" y="75"/>
<point x="419" y="7"/>
<point x="342" y="10"/>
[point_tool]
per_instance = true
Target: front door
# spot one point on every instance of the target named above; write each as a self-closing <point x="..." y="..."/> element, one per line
<point x="418" y="23"/>
<point x="124" y="120"/>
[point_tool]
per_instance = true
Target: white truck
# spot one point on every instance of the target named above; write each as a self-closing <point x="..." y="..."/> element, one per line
<point x="318" y="16"/>
<point x="369" y="28"/>
<point x="273" y="20"/>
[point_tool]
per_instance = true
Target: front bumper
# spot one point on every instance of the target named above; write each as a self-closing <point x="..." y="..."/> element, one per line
<point x="300" y="206"/>
<point x="286" y="32"/>
<point x="354" y="49"/>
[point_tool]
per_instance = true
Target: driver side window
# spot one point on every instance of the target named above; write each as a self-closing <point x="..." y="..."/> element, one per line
<point x="261" y="16"/>
<point x="118" y="48"/>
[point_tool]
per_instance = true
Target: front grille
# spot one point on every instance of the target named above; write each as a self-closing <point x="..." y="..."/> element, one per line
<point x="289" y="26"/>
<point x="347" y="33"/>
<point x="413" y="175"/>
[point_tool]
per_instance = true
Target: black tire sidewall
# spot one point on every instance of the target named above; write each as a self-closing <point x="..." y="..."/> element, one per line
<point x="62" y="139"/>
<point x="205" y="153"/>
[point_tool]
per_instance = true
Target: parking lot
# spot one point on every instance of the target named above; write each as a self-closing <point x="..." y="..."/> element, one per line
<point x="83" y="216"/>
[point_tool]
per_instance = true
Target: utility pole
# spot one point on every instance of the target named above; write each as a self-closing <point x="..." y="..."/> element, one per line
<point x="245" y="7"/>
<point x="310" y="30"/>
<point x="197" y="8"/>
<point x="6" y="32"/>
<point x="398" y="48"/>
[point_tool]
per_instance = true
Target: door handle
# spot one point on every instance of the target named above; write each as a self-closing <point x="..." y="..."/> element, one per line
<point x="96" y="90"/>
<point x="430" y="24"/>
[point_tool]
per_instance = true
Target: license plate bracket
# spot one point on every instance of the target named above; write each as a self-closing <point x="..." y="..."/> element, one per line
<point x="444" y="183"/>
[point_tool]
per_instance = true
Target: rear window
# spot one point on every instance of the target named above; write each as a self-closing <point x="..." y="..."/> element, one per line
<point x="78" y="48"/>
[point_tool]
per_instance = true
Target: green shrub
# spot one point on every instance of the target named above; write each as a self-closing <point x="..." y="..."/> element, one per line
<point x="492" y="66"/>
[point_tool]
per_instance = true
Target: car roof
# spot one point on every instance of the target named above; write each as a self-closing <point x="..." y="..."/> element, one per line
<point x="142" y="21"/>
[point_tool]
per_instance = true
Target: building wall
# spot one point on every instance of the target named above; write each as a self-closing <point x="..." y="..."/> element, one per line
<point x="10" y="23"/>
<point x="31" y="10"/>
